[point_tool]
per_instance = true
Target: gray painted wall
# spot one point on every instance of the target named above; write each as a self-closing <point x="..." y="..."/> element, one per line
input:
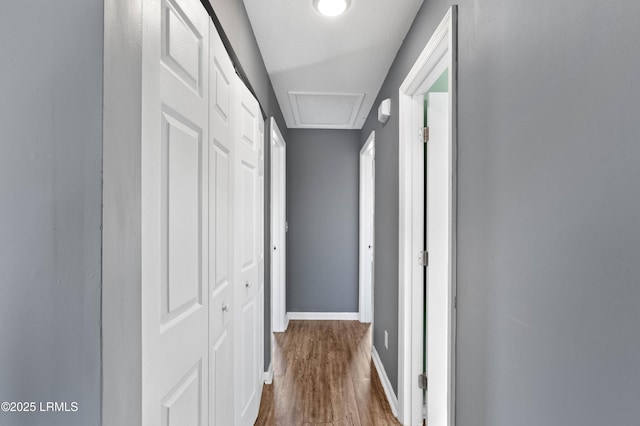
<point x="50" y="208"/>
<point x="245" y="53"/>
<point x="322" y="213"/>
<point x="549" y="213"/>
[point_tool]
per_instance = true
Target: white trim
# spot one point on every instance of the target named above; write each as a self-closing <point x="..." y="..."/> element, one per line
<point x="350" y="124"/>
<point x="323" y="316"/>
<point x="268" y="375"/>
<point x="438" y="55"/>
<point x="278" y="237"/>
<point x="365" y="279"/>
<point x="121" y="303"/>
<point x="386" y="383"/>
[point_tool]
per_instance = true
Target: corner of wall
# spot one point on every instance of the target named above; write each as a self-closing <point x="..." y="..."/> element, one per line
<point x="121" y="279"/>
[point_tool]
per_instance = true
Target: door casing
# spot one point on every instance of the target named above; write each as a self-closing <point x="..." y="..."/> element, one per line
<point x="439" y="54"/>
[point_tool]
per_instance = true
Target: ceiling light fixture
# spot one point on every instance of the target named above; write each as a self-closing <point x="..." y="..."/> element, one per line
<point x="331" y="7"/>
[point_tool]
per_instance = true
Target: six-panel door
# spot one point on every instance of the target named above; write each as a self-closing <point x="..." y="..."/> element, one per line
<point x="221" y="215"/>
<point x="174" y="207"/>
<point x="202" y="213"/>
<point x="249" y="253"/>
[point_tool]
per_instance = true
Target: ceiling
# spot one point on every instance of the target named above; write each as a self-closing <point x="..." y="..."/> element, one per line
<point x="327" y="72"/>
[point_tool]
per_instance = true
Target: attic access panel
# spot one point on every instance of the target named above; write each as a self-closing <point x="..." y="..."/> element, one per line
<point x="326" y="110"/>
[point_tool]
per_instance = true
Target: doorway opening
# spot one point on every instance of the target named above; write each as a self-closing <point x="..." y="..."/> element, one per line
<point x="427" y="233"/>
<point x="367" y="228"/>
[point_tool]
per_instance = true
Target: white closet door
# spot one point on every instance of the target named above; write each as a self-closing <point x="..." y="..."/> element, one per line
<point x="221" y="213"/>
<point x="174" y="211"/>
<point x="260" y="356"/>
<point x="249" y="251"/>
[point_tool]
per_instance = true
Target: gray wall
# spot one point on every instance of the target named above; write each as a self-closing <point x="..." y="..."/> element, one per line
<point x="232" y="21"/>
<point x="50" y="207"/>
<point x="322" y="213"/>
<point x="549" y="213"/>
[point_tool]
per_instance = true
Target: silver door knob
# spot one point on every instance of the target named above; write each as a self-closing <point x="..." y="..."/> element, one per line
<point x="247" y="285"/>
<point x="225" y="307"/>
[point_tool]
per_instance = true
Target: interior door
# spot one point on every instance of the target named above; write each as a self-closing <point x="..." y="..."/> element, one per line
<point x="278" y="236"/>
<point x="371" y="225"/>
<point x="261" y="247"/>
<point x="249" y="255"/>
<point x="438" y="247"/>
<point x="367" y="231"/>
<point x="174" y="188"/>
<point x="221" y="213"/>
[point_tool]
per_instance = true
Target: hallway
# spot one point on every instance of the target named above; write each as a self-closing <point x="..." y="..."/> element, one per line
<point x="323" y="374"/>
<point x="346" y="199"/>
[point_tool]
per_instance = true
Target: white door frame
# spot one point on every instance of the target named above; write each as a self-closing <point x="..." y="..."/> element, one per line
<point x="439" y="54"/>
<point x="278" y="229"/>
<point x="367" y="197"/>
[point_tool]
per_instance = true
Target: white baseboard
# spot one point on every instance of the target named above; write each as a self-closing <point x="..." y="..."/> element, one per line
<point x="363" y="321"/>
<point x="340" y="316"/>
<point x="386" y="384"/>
<point x="268" y="375"/>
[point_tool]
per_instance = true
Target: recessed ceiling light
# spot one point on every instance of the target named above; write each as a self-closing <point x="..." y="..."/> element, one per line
<point x="332" y="7"/>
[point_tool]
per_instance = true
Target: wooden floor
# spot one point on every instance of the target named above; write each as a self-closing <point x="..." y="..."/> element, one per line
<point x="323" y="375"/>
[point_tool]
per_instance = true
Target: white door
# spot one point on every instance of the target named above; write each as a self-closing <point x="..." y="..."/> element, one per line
<point x="278" y="225"/>
<point x="249" y="255"/>
<point x="438" y="247"/>
<point x="222" y="111"/>
<point x="370" y="225"/>
<point x="367" y="229"/>
<point x="174" y="192"/>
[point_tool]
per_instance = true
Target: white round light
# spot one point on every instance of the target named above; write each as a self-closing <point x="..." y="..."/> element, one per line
<point x="331" y="7"/>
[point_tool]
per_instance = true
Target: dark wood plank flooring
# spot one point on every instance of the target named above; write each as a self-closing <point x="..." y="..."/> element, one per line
<point x="324" y="375"/>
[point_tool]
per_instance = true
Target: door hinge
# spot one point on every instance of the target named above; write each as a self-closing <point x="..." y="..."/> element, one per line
<point x="422" y="381"/>
<point x="424" y="134"/>
<point x="423" y="258"/>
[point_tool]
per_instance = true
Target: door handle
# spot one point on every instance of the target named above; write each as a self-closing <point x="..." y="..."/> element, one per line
<point x="225" y="307"/>
<point x="247" y="285"/>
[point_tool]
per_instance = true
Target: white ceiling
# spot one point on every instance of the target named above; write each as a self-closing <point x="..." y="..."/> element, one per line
<point x="327" y="72"/>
